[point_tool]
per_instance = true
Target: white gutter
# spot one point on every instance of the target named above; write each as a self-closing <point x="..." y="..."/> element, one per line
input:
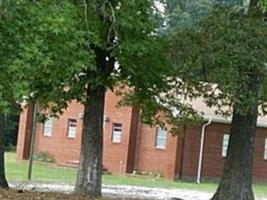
<point x="201" y="149"/>
<point x="228" y="120"/>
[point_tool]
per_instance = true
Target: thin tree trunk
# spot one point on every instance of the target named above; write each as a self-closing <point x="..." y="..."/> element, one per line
<point x="89" y="177"/>
<point x="3" y="181"/>
<point x="236" y="181"/>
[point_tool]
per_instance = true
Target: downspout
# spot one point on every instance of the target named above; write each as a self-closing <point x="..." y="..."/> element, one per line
<point x="201" y="149"/>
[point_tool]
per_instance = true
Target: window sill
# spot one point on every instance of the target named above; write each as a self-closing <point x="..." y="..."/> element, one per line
<point x="47" y="136"/>
<point x="160" y="148"/>
<point x="115" y="142"/>
<point x="71" y="138"/>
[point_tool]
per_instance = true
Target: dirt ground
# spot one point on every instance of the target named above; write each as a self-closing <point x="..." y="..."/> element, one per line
<point x="26" y="195"/>
<point x="55" y="191"/>
<point x="12" y="194"/>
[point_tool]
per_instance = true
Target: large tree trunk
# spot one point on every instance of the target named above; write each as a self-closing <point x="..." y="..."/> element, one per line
<point x="236" y="181"/>
<point x="89" y="179"/>
<point x="90" y="171"/>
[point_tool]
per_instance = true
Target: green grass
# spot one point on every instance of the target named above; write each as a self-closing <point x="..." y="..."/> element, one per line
<point x="17" y="171"/>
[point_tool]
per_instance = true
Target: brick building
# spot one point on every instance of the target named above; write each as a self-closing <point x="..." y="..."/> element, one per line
<point x="130" y="145"/>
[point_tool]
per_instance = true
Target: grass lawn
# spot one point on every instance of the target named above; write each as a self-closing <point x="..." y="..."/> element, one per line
<point x="17" y="171"/>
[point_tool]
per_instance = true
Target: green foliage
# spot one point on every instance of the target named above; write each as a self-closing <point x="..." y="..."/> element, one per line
<point x="39" y="54"/>
<point x="227" y="51"/>
<point x="43" y="51"/>
<point x="263" y="5"/>
<point x="11" y="148"/>
<point x="184" y="14"/>
<point x="53" y="57"/>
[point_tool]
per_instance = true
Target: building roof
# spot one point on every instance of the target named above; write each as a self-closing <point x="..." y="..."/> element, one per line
<point x="209" y="113"/>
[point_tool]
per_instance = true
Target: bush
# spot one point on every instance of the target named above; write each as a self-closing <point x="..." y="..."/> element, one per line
<point x="11" y="148"/>
<point x="45" y="157"/>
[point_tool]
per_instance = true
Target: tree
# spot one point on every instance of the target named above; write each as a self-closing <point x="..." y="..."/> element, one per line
<point x="120" y="32"/>
<point x="226" y="53"/>
<point x="10" y="92"/>
<point x="71" y="55"/>
<point x="33" y="47"/>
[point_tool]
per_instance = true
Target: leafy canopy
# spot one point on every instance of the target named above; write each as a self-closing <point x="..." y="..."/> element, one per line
<point x="181" y="14"/>
<point x="42" y="52"/>
<point x="225" y="53"/>
<point x="53" y="58"/>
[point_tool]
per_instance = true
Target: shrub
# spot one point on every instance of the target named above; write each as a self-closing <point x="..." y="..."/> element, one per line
<point x="11" y="148"/>
<point x="44" y="156"/>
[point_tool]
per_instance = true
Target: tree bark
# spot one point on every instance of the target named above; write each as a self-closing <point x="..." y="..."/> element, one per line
<point x="236" y="181"/>
<point x="3" y="181"/>
<point x="89" y="177"/>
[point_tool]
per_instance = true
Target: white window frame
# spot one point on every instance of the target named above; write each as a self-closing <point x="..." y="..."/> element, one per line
<point x="265" y="149"/>
<point x="225" y="145"/>
<point x="72" y="128"/>
<point x="116" y="132"/>
<point x="48" y="127"/>
<point x="158" y="137"/>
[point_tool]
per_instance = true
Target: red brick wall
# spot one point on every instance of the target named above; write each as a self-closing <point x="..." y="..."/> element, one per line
<point x="24" y="136"/>
<point x="115" y="154"/>
<point x="260" y="165"/>
<point x="180" y="151"/>
<point x="212" y="155"/>
<point x="191" y="153"/>
<point x="63" y="148"/>
<point x="133" y="140"/>
<point x="213" y="161"/>
<point x="66" y="149"/>
<point x="150" y="159"/>
<point x="137" y="147"/>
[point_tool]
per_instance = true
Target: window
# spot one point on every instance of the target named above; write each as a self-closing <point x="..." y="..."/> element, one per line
<point x="48" y="127"/>
<point x="225" y="144"/>
<point x="116" y="132"/>
<point x="161" y="138"/>
<point x="72" y="127"/>
<point x="265" y="150"/>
